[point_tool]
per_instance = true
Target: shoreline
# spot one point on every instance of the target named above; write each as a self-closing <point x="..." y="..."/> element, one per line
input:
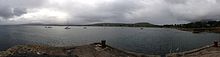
<point x="179" y="54"/>
<point x="199" y="30"/>
<point x="212" y="50"/>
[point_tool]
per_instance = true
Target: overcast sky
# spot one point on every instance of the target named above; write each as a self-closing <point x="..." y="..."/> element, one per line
<point x="98" y="11"/>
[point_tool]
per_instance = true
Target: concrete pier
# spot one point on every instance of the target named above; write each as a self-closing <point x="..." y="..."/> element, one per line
<point x="91" y="50"/>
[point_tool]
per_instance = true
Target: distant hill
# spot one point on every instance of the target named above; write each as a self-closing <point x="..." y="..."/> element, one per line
<point x="141" y="24"/>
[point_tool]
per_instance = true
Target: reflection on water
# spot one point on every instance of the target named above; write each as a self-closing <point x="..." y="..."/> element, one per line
<point x="147" y="40"/>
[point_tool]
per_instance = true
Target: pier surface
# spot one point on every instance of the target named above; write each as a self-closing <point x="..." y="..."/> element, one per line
<point x="98" y="50"/>
<point x="91" y="50"/>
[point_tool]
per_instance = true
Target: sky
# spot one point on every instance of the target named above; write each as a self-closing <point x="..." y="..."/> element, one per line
<point x="110" y="11"/>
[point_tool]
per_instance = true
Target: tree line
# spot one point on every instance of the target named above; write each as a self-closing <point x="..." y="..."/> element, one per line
<point x="199" y="24"/>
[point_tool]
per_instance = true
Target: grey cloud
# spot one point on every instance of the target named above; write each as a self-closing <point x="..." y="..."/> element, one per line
<point x="5" y="12"/>
<point x="10" y="8"/>
<point x="109" y="12"/>
<point x="22" y="3"/>
<point x="177" y="1"/>
<point x="19" y="11"/>
<point x="197" y="10"/>
<point x="153" y="11"/>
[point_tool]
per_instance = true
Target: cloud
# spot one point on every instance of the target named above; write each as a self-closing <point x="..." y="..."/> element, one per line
<point x="196" y="10"/>
<point x="95" y="11"/>
<point x="11" y="8"/>
<point x="5" y="12"/>
<point x="177" y="1"/>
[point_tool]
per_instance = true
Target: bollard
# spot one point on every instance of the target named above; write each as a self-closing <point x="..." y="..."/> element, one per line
<point x="215" y="44"/>
<point x="103" y="43"/>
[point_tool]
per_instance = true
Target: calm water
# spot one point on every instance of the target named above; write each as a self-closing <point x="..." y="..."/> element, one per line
<point x="148" y="40"/>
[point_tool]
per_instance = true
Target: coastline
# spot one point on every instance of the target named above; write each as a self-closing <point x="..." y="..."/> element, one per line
<point x="199" y="30"/>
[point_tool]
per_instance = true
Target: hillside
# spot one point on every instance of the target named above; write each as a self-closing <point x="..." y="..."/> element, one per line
<point x="198" y="24"/>
<point x="141" y="24"/>
<point x="197" y="27"/>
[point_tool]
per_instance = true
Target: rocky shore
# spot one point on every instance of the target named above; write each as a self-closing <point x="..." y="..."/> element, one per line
<point x="91" y="50"/>
<point x="206" y="51"/>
